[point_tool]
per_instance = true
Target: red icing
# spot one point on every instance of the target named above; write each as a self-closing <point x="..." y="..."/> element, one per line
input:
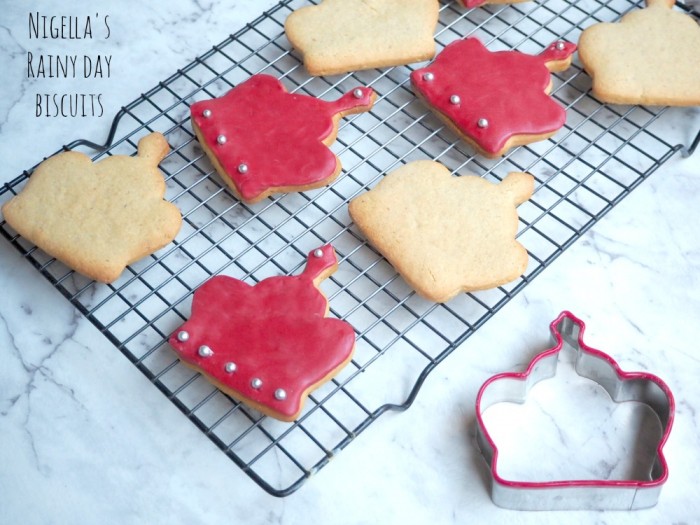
<point x="473" y="3"/>
<point x="507" y="88"/>
<point x="277" y="134"/>
<point x="275" y="331"/>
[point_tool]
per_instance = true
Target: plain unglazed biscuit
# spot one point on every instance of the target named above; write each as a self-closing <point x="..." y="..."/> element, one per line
<point x="445" y="234"/>
<point x="650" y="57"/>
<point x="98" y="217"/>
<point x="338" y="36"/>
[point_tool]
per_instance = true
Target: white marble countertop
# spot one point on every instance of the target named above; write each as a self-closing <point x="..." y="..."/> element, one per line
<point x="87" y="439"/>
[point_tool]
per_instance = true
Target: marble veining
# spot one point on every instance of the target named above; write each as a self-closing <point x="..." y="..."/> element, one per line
<point x="87" y="439"/>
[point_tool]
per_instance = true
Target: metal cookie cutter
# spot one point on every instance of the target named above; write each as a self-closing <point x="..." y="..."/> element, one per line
<point x="626" y="494"/>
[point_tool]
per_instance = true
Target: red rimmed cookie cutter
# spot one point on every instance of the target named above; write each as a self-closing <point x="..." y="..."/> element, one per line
<point x="642" y="387"/>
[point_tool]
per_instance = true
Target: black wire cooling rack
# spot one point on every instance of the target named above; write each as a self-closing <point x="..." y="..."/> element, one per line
<point x="582" y="172"/>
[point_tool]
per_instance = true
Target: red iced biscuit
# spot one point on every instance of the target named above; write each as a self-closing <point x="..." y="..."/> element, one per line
<point x="494" y="100"/>
<point x="270" y="344"/>
<point x="263" y="140"/>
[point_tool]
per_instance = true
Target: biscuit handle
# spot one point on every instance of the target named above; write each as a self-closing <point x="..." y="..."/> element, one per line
<point x="353" y="102"/>
<point x="320" y="263"/>
<point x="558" y="56"/>
<point x="153" y="147"/>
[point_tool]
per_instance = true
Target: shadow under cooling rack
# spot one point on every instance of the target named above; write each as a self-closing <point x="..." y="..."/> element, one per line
<point x="582" y="172"/>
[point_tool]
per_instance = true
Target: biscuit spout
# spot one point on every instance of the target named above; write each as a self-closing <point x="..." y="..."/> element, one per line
<point x="153" y="147"/>
<point x="320" y="263"/>
<point x="518" y="186"/>
<point x="357" y="100"/>
<point x="558" y="56"/>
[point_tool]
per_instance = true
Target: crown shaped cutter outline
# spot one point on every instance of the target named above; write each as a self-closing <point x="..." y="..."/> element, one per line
<point x="614" y="494"/>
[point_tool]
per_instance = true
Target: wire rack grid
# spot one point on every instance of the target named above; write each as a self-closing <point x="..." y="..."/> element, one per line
<point x="586" y="169"/>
